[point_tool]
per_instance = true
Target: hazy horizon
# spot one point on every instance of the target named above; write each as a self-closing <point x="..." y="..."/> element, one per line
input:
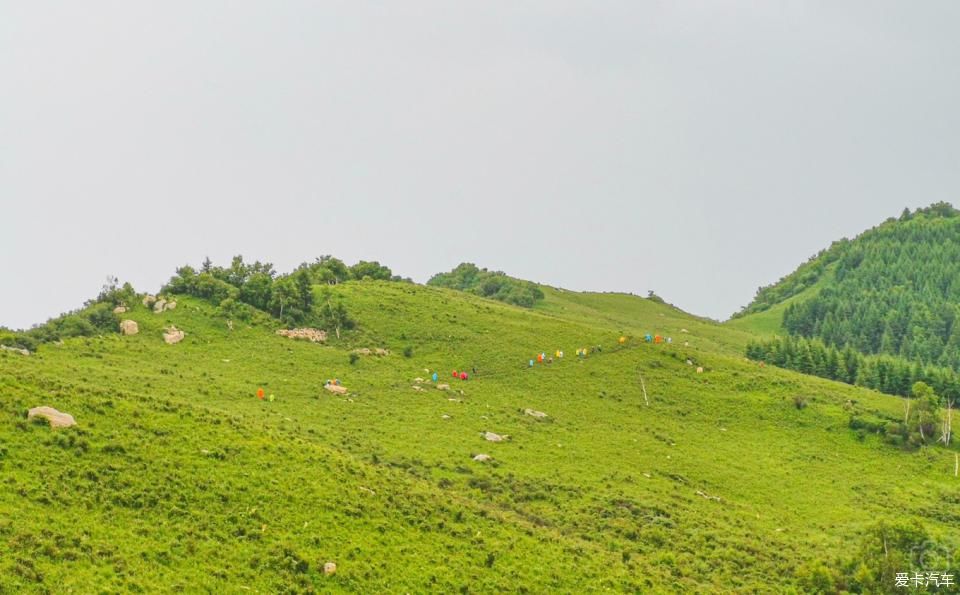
<point x="694" y="149"/>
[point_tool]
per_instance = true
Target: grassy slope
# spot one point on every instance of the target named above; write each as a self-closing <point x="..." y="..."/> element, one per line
<point x="179" y="478"/>
<point x="770" y="322"/>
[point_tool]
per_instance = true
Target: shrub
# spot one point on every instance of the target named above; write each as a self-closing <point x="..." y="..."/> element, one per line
<point x="408" y="351"/>
<point x="490" y="284"/>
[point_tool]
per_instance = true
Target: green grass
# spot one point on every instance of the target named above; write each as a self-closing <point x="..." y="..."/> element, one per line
<point x="179" y="478"/>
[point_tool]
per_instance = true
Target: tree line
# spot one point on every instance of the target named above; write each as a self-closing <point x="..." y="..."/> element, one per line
<point x="243" y="289"/>
<point x="930" y="392"/>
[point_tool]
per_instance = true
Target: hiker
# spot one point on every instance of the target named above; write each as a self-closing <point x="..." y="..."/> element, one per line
<point x="463" y="375"/>
<point x="648" y="338"/>
<point x="455" y="375"/>
<point x="474" y="370"/>
<point x="260" y="393"/>
<point x="435" y="377"/>
<point x="531" y="363"/>
<point x="540" y="358"/>
<point x="622" y="340"/>
<point x="669" y="340"/>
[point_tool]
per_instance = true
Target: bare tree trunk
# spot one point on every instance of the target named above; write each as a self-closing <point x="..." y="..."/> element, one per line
<point x="906" y="417"/>
<point x="338" y="331"/>
<point x="644" y="387"/>
<point x="949" y="422"/>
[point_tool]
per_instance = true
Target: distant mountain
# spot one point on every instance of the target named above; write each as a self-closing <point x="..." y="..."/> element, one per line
<point x="894" y="290"/>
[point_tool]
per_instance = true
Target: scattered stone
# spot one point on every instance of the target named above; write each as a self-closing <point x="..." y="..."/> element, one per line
<point x="119" y="309"/>
<point x="492" y="437"/>
<point x="379" y="351"/>
<point x="171" y="306"/>
<point x="444" y="416"/>
<point x="443" y="387"/>
<point x="173" y="335"/>
<point x="683" y="330"/>
<point x="329" y="568"/>
<point x="482" y="458"/>
<point x="708" y="496"/>
<point x="159" y="306"/>
<point x="418" y="388"/>
<point x="149" y="301"/>
<point x="700" y="370"/>
<point x="310" y="334"/>
<point x="418" y="380"/>
<point x="15" y="349"/>
<point x="535" y="413"/>
<point x="336" y="389"/>
<point x="129" y="327"/>
<point x="57" y="419"/>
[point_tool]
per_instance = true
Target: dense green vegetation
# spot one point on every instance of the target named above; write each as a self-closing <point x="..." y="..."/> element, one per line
<point x="490" y="284"/>
<point x="245" y="291"/>
<point x="178" y="478"/>
<point x="890" y="375"/>
<point x="894" y="290"/>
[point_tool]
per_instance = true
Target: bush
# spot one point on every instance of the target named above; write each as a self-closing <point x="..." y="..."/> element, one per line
<point x="490" y="284"/>
<point x="231" y="308"/>
<point x="354" y="358"/>
<point x="408" y="351"/>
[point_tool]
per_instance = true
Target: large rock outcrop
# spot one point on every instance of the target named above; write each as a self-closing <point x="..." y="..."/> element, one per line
<point x="57" y="419"/>
<point x="308" y="334"/>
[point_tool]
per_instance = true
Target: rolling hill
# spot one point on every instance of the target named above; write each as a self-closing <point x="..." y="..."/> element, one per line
<point x="178" y="478"/>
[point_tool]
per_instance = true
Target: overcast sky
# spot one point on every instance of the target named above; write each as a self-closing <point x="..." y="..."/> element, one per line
<point x="699" y="149"/>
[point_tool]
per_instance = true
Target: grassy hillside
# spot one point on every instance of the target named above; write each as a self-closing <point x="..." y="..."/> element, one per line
<point x="178" y="478"/>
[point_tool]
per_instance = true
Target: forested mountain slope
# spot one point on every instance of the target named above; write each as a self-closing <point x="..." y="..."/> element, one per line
<point x="893" y="290"/>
